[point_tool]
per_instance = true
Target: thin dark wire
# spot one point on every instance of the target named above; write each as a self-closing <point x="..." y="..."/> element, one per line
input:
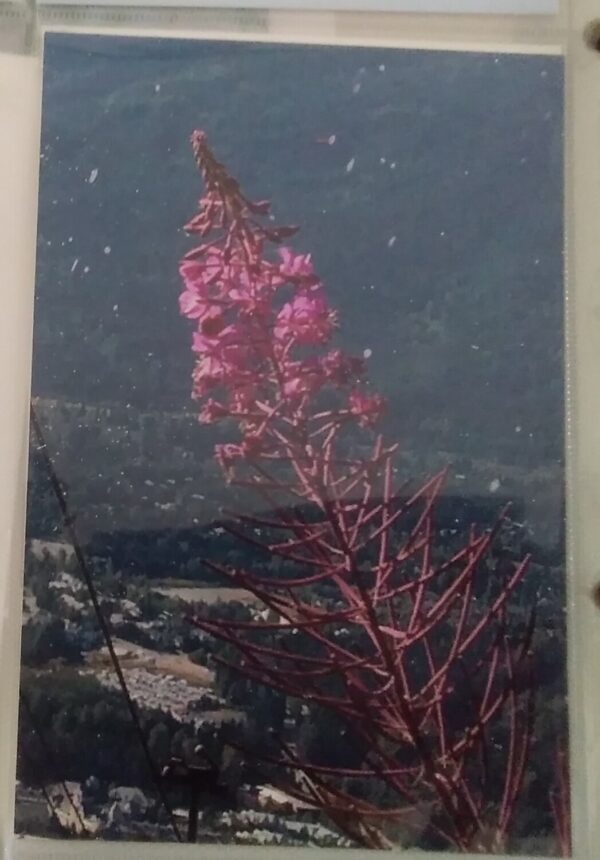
<point x="54" y="814"/>
<point x="68" y="833"/>
<point x="64" y="829"/>
<point x="71" y="533"/>
<point x="46" y="749"/>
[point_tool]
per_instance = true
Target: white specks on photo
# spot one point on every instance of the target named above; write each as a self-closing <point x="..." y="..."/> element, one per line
<point x="75" y="264"/>
<point x="350" y="165"/>
<point x="356" y="87"/>
<point x="93" y="176"/>
<point x="391" y="241"/>
<point x="107" y="249"/>
<point x="367" y="353"/>
<point x="494" y="485"/>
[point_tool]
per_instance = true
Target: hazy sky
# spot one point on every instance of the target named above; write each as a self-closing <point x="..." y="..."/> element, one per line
<point x="434" y="218"/>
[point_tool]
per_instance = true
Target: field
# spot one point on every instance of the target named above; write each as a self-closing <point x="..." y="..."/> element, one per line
<point x="209" y="596"/>
<point x="135" y="657"/>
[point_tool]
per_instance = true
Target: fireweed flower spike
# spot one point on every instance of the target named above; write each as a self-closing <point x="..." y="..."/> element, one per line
<point x="364" y="618"/>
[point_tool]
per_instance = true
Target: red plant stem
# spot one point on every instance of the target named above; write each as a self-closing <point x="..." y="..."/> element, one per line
<point x="401" y="678"/>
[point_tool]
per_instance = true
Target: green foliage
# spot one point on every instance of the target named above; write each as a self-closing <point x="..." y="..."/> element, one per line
<point x="88" y="729"/>
<point x="45" y="638"/>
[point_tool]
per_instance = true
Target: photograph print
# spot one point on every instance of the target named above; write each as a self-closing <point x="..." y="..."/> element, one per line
<point x="295" y="545"/>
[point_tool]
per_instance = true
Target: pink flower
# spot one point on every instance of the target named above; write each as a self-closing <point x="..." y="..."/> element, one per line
<point x="368" y="408"/>
<point x="203" y="287"/>
<point x="243" y="399"/>
<point x="295" y="387"/>
<point x="302" y="378"/>
<point x="226" y="455"/>
<point x="251" y="348"/>
<point x="340" y="368"/>
<point x="200" y="273"/>
<point x="203" y="344"/>
<point x="225" y="343"/>
<point x="191" y="271"/>
<point x="208" y="373"/>
<point x="213" y="323"/>
<point x="192" y="306"/>
<point x="296" y="266"/>
<point x="306" y="318"/>
<point x="252" y="445"/>
<point x="212" y="411"/>
<point x="250" y="301"/>
<point x="262" y="280"/>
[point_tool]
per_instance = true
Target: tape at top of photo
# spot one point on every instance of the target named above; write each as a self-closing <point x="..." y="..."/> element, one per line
<point x="443" y="7"/>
